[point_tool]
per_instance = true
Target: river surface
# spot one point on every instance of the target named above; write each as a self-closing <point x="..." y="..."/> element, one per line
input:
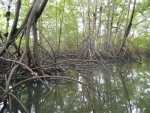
<point x="111" y="88"/>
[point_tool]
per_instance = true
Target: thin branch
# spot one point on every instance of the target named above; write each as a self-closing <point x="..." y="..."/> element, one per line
<point x="18" y="62"/>
<point x="10" y="77"/>
<point x="46" y="76"/>
<point x="22" y="105"/>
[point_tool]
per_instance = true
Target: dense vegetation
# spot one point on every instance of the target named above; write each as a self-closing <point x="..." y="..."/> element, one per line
<point x="88" y="28"/>
<point x="35" y="35"/>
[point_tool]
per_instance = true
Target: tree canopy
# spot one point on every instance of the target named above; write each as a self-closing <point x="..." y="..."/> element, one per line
<point x="88" y="28"/>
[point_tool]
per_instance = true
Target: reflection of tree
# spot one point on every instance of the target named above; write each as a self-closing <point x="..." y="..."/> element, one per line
<point x="111" y="87"/>
<point x="126" y="94"/>
<point x="107" y="87"/>
<point x="143" y="102"/>
<point x="29" y="95"/>
<point x="63" y="97"/>
<point x="123" y="89"/>
<point x="141" y="88"/>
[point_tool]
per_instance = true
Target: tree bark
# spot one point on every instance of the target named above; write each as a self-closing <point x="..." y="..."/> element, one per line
<point x="127" y="31"/>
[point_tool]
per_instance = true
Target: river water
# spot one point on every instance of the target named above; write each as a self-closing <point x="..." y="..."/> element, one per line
<point x="108" y="88"/>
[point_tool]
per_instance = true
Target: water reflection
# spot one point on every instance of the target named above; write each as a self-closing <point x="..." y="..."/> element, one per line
<point x="109" y="88"/>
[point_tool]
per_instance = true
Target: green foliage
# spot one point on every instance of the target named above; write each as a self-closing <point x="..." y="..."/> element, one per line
<point x="2" y="18"/>
<point x="69" y="21"/>
<point x="143" y="6"/>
